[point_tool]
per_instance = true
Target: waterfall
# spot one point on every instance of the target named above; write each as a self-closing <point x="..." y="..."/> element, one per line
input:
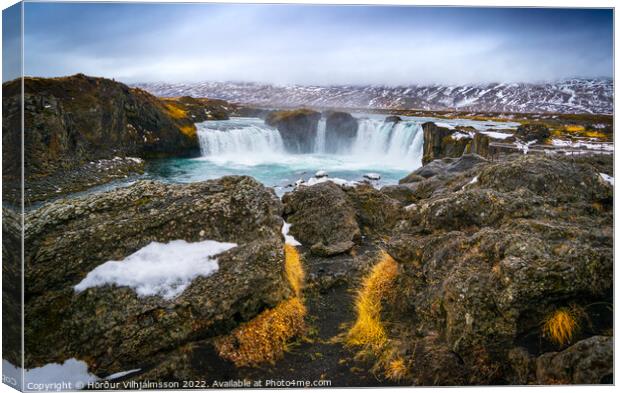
<point x="239" y="136"/>
<point x="319" y="143"/>
<point x="377" y="142"/>
<point x="398" y="143"/>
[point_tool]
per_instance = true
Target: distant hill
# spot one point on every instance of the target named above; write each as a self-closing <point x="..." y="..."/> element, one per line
<point x="565" y="96"/>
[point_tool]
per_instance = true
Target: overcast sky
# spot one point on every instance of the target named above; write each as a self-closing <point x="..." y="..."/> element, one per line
<point x="296" y="44"/>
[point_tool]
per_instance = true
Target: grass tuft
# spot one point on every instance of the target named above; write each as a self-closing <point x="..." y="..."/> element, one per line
<point x="561" y="326"/>
<point x="396" y="369"/>
<point x="264" y="338"/>
<point x="175" y="111"/>
<point x="293" y="268"/>
<point x="189" y="130"/>
<point x="368" y="329"/>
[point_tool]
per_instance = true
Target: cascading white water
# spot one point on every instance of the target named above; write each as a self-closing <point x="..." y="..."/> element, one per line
<point x="240" y="136"/>
<point x="319" y="142"/>
<point x="250" y="141"/>
<point x="398" y="143"/>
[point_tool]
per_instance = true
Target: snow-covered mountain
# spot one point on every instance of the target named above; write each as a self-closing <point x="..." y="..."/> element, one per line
<point x="566" y="96"/>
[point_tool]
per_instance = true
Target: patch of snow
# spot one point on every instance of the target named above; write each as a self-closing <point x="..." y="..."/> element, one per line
<point x="585" y="145"/>
<point x="445" y="125"/>
<point x="460" y="135"/>
<point x="524" y="147"/>
<point x="341" y="182"/>
<point x="72" y="374"/>
<point x="289" y="239"/>
<point x="608" y="179"/>
<point x="121" y="374"/>
<point x="473" y="181"/>
<point x="163" y="269"/>
<point x="411" y="207"/>
<point x="496" y="135"/>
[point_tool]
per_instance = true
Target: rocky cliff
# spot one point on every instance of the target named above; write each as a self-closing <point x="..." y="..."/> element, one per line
<point x="73" y="121"/>
<point x="297" y="127"/>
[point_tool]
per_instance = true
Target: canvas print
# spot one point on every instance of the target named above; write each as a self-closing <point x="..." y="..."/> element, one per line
<point x="220" y="195"/>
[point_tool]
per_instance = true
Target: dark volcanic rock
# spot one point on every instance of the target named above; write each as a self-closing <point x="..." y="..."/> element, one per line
<point x="110" y="327"/>
<point x="439" y="143"/>
<point x="479" y="145"/>
<point x="321" y="215"/>
<point x="377" y="213"/>
<point x="11" y="286"/>
<point x="530" y="132"/>
<point x="491" y="252"/>
<point x="74" y="120"/>
<point x="589" y="361"/>
<point x="323" y="250"/>
<point x="392" y="119"/>
<point x="88" y="175"/>
<point x="297" y="127"/>
<point x="340" y="131"/>
<point x="465" y="163"/>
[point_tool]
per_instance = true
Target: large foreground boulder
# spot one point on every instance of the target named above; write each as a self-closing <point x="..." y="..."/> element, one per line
<point x="589" y="361"/>
<point x="322" y="217"/>
<point x="493" y="255"/>
<point x="297" y="127"/>
<point x="112" y="327"/>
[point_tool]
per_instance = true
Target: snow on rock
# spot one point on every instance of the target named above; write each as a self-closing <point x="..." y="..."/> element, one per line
<point x="445" y="125"/>
<point x="584" y="145"/>
<point x="163" y="269"/>
<point x="460" y="135"/>
<point x="496" y="135"/>
<point x="121" y="374"/>
<point x="412" y="206"/>
<point x="289" y="239"/>
<point x="608" y="179"/>
<point x="72" y="374"/>
<point x="473" y="181"/>
<point x="341" y="182"/>
<point x="524" y="147"/>
<point x="320" y="174"/>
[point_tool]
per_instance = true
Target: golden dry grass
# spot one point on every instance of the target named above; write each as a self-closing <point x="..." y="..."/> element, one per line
<point x="293" y="269"/>
<point x="368" y="329"/>
<point x="560" y="326"/>
<point x="175" y="111"/>
<point x="396" y="369"/>
<point x="189" y="130"/>
<point x="574" y="128"/>
<point x="264" y="338"/>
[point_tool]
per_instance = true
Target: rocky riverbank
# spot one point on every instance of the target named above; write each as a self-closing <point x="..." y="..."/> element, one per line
<point x="484" y="266"/>
<point x="484" y="258"/>
<point x="74" y="124"/>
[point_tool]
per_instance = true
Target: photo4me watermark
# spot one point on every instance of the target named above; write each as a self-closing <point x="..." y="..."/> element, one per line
<point x="139" y="385"/>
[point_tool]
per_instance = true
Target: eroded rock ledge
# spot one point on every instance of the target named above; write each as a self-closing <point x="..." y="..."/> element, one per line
<point x="110" y="327"/>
